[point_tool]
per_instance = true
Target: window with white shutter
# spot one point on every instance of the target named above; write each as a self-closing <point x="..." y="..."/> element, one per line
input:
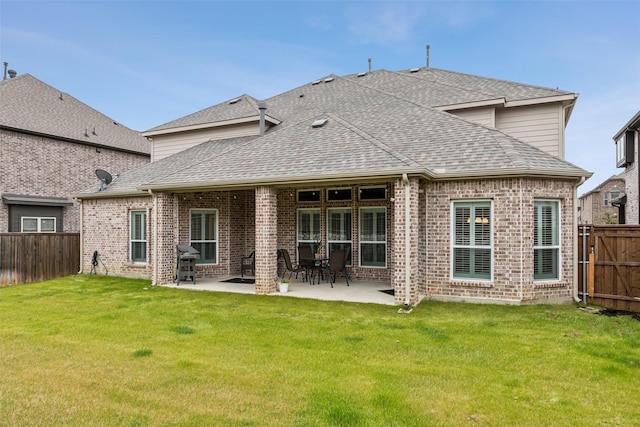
<point x="472" y="240"/>
<point x="546" y="240"/>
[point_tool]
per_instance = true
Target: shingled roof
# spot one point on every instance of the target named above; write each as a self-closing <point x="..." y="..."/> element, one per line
<point x="370" y="133"/>
<point x="31" y="106"/>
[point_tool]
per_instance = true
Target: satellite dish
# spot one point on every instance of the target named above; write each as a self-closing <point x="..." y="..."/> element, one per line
<point x="104" y="177"/>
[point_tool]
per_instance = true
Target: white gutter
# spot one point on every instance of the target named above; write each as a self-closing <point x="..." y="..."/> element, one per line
<point x="575" y="240"/>
<point x="154" y="277"/>
<point x="81" y="236"/>
<point x="407" y="240"/>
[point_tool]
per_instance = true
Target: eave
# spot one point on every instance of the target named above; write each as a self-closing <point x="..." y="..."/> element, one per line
<point x="221" y="123"/>
<point x="73" y="141"/>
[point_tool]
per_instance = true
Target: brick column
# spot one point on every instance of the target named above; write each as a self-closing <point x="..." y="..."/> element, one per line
<point x="399" y="262"/>
<point x="166" y="233"/>
<point x="266" y="239"/>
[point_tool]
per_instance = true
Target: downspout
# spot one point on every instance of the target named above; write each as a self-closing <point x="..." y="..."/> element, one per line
<point x="575" y="241"/>
<point x="154" y="277"/>
<point x="81" y="237"/>
<point x="407" y="240"/>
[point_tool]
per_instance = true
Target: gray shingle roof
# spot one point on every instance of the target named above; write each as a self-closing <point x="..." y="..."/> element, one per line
<point x="369" y="132"/>
<point x="240" y="107"/>
<point x="33" y="106"/>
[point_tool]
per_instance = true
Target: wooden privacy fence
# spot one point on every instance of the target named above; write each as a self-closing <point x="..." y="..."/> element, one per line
<point x="609" y="260"/>
<point x="29" y="257"/>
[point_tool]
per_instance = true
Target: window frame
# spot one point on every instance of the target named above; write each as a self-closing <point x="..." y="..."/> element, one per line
<point x="474" y="248"/>
<point x="340" y="243"/>
<point x="314" y="192"/>
<point x="136" y="241"/>
<point x="314" y="234"/>
<point x="39" y="221"/>
<point x="362" y="242"/>
<point x="557" y="246"/>
<point x="339" y="191"/>
<point x="204" y="241"/>
<point x="372" y="187"/>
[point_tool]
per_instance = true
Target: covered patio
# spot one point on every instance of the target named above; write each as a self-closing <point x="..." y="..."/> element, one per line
<point x="359" y="291"/>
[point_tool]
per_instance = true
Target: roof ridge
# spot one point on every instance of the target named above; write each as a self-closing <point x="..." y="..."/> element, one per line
<point x="501" y="80"/>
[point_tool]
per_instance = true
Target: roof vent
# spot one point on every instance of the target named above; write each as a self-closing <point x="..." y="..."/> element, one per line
<point x="328" y="79"/>
<point x="414" y="70"/>
<point x="319" y="123"/>
<point x="234" y="100"/>
<point x="362" y="74"/>
<point x="315" y="82"/>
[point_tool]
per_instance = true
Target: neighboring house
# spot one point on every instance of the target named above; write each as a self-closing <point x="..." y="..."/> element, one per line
<point x="627" y="142"/>
<point x="447" y="185"/>
<point x="51" y="145"/>
<point x="596" y="206"/>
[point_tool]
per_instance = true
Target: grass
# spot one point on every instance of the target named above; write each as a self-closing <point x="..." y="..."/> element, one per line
<point x="106" y="351"/>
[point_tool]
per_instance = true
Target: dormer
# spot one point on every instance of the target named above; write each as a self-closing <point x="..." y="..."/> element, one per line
<point x="237" y="117"/>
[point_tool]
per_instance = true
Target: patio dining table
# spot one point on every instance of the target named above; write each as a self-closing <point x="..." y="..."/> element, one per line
<point x="315" y="265"/>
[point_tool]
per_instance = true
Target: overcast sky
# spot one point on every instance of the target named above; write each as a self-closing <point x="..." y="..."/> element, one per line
<point x="144" y="63"/>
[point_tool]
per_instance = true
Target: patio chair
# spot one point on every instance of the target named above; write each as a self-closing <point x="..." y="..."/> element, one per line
<point x="248" y="263"/>
<point x="290" y="267"/>
<point x="338" y="264"/>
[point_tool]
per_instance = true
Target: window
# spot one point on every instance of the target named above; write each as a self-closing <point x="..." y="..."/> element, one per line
<point x="138" y="237"/>
<point x="336" y="194"/>
<point x="204" y="234"/>
<point x="373" y="237"/>
<point x="308" y="227"/>
<point x="308" y="195"/>
<point x="339" y="230"/>
<point x="472" y="240"/>
<point x="37" y="225"/>
<point x="373" y="193"/>
<point x="625" y="149"/>
<point x="546" y="240"/>
<point x="612" y="194"/>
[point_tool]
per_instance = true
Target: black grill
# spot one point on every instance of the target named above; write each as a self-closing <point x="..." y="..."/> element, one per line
<point x="186" y="263"/>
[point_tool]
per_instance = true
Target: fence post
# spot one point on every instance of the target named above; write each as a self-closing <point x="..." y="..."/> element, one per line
<point x="591" y="274"/>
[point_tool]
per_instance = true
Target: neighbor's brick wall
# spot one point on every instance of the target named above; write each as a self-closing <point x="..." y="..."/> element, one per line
<point x="632" y="211"/>
<point x="592" y="207"/>
<point x="513" y="210"/>
<point x="40" y="166"/>
<point x="106" y="230"/>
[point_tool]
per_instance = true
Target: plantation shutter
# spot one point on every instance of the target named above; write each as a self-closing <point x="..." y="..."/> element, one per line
<point x="546" y="240"/>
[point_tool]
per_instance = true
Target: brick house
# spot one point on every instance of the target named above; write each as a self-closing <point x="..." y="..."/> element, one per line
<point x="627" y="141"/>
<point x="50" y="146"/>
<point x="447" y="185"/>
<point x="597" y="206"/>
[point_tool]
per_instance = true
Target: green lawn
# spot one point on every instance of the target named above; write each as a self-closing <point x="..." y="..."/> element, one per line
<point x="106" y="351"/>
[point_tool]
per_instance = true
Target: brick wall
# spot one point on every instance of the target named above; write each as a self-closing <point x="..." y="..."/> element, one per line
<point x="287" y="223"/>
<point x="513" y="220"/>
<point x="106" y="230"/>
<point x="272" y="225"/>
<point x="632" y="209"/>
<point x="40" y="166"/>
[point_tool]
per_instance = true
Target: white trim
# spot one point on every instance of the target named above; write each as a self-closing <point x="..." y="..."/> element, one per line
<point x="39" y="220"/>
<point x="215" y="241"/>
<point x="328" y="224"/>
<point x="452" y="244"/>
<point x="386" y="236"/>
<point x="144" y="240"/>
<point x="558" y="226"/>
